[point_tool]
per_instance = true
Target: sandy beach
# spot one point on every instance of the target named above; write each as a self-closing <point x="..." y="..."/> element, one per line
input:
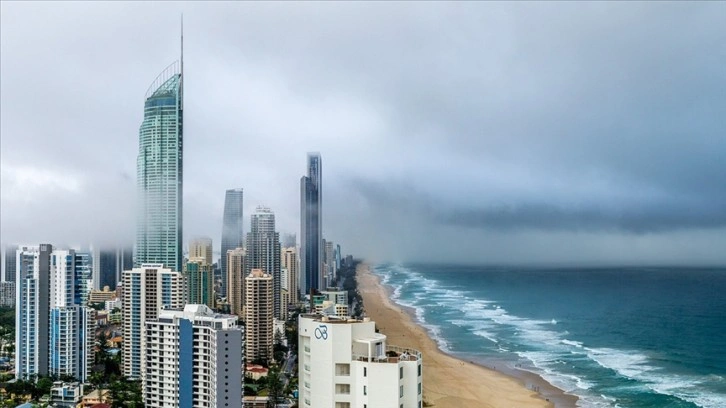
<point x="447" y="381"/>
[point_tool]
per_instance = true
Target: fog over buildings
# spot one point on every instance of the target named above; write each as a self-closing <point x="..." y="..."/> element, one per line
<point x="470" y="132"/>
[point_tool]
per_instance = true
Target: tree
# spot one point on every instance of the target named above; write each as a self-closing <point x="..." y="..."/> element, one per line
<point x="274" y="386"/>
<point x="42" y="387"/>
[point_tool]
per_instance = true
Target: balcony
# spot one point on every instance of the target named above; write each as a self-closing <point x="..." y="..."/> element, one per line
<point x="394" y="355"/>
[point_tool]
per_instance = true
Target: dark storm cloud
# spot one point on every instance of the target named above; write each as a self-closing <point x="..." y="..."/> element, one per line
<point x="595" y="125"/>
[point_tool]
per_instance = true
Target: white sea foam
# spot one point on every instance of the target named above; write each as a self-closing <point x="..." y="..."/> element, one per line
<point x="572" y="343"/>
<point x="636" y="366"/>
<point x="549" y="349"/>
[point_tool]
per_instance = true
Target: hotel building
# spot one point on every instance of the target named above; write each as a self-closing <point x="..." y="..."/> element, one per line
<point x="345" y="363"/>
<point x="194" y="358"/>
<point x="159" y="172"/>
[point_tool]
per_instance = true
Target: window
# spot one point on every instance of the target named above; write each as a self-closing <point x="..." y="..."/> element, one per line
<point x="365" y="371"/>
<point x="419" y="370"/>
<point x="342" y="369"/>
<point x="419" y="388"/>
<point x="400" y="373"/>
<point x="400" y="391"/>
<point x="365" y="390"/>
<point x="342" y="389"/>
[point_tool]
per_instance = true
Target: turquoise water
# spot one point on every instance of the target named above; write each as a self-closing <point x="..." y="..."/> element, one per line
<point x="616" y="337"/>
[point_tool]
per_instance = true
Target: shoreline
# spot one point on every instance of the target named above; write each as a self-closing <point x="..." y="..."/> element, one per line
<point x="450" y="381"/>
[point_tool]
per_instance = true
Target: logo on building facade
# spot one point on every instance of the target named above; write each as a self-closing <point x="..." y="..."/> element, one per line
<point x="321" y="332"/>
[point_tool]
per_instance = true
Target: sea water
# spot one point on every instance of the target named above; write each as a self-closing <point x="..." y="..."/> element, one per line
<point x="615" y="337"/>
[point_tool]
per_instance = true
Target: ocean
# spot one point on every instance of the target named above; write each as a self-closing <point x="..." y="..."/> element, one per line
<point x="614" y="337"/>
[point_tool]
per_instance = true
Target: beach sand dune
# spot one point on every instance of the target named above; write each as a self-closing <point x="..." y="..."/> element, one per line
<point x="447" y="381"/>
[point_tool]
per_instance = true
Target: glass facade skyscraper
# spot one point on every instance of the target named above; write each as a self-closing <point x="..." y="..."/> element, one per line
<point x="160" y="173"/>
<point x="263" y="251"/>
<point x="232" y="229"/>
<point x="311" y="226"/>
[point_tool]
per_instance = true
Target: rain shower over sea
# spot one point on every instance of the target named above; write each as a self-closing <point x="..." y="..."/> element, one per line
<point x="615" y="337"/>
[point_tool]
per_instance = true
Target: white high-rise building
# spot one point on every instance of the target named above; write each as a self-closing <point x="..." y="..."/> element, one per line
<point x="72" y="341"/>
<point x="32" y="297"/>
<point x="345" y="363"/>
<point x="55" y="332"/>
<point x="147" y="290"/>
<point x="194" y="358"/>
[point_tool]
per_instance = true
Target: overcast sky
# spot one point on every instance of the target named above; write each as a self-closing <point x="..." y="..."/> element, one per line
<point x="471" y="132"/>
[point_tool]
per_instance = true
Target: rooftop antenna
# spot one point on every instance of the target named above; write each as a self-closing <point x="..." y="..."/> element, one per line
<point x="182" y="61"/>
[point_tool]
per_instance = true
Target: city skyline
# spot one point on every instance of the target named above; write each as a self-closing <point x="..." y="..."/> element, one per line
<point x="440" y="143"/>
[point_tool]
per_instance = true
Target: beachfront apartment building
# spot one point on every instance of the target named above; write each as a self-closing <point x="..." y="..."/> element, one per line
<point x="344" y="363"/>
<point x="194" y="358"/>
<point x="147" y="290"/>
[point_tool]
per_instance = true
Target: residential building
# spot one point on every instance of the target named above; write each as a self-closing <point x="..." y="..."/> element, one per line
<point x="329" y="262"/>
<point x="102" y="396"/>
<point x="263" y="251"/>
<point x="146" y="290"/>
<point x="344" y="363"/>
<point x="199" y="282"/>
<point x="336" y="295"/>
<point x="289" y="261"/>
<point x="159" y="172"/>
<point x="101" y="296"/>
<point x="311" y="226"/>
<point x="72" y="341"/>
<point x="7" y="294"/>
<point x="232" y="229"/>
<point x="258" y="316"/>
<point x="201" y="247"/>
<point x="33" y="265"/>
<point x="55" y="334"/>
<point x="235" y="281"/>
<point x="65" y="395"/>
<point x="195" y="359"/>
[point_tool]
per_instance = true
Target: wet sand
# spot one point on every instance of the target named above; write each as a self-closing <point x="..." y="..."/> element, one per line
<point x="448" y="381"/>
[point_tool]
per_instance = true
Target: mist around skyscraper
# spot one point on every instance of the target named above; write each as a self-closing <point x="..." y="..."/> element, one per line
<point x="151" y="315"/>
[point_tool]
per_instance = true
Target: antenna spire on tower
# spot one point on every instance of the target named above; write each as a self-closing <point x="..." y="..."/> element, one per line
<point x="181" y="63"/>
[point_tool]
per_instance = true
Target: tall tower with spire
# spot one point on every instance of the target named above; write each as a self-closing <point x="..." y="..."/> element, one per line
<point x="160" y="170"/>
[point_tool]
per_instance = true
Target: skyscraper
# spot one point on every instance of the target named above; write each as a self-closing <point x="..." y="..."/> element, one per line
<point x="10" y="263"/>
<point x="263" y="250"/>
<point x="147" y="290"/>
<point x="208" y="368"/>
<point x="72" y="340"/>
<point x="160" y="173"/>
<point x="290" y="262"/>
<point x="201" y="247"/>
<point x="258" y="315"/>
<point x="311" y="226"/>
<point x="232" y="229"/>
<point x="55" y="329"/>
<point x="236" y="280"/>
<point x="329" y="262"/>
<point x="33" y="305"/>
<point x="199" y="282"/>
